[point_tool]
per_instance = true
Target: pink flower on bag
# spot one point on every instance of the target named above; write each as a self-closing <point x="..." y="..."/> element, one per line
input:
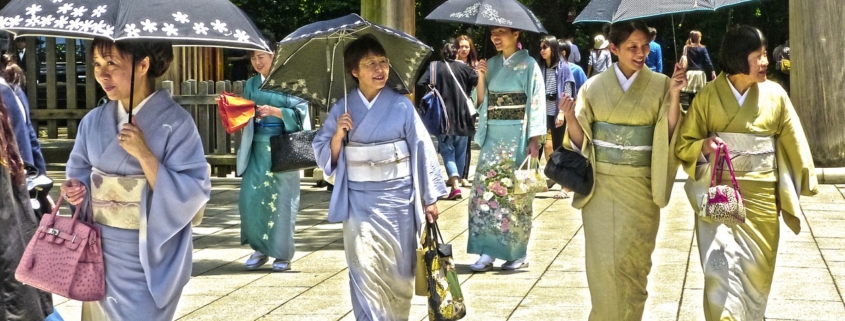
<point x="505" y="222"/>
<point x="494" y="204"/>
<point x="491" y="174"/>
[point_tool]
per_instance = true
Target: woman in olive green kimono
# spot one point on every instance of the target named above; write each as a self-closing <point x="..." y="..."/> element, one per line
<point x="624" y="121"/>
<point x="771" y="157"/>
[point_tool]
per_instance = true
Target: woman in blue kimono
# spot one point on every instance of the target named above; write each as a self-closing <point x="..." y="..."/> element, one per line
<point x="387" y="183"/>
<point x="512" y="118"/>
<point x="143" y="182"/>
<point x="268" y="201"/>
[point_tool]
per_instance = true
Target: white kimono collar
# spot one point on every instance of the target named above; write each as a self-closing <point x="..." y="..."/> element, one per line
<point x="740" y="98"/>
<point x="624" y="82"/>
<point x="123" y="116"/>
<point x="367" y="103"/>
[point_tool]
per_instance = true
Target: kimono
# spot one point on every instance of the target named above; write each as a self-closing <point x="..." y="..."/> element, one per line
<point x="500" y="221"/>
<point x="145" y="269"/>
<point x="739" y="261"/>
<point x="621" y="214"/>
<point x="381" y="218"/>
<point x="19" y="301"/>
<point x="268" y="201"/>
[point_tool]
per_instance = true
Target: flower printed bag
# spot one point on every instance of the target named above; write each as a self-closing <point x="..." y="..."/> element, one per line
<point x="529" y="179"/>
<point x="445" y="299"/>
<point x="724" y="202"/>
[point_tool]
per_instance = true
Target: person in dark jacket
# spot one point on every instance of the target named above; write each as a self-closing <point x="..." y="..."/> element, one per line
<point x="699" y="66"/>
<point x="17" y="225"/>
<point x="454" y="80"/>
<point x="12" y="81"/>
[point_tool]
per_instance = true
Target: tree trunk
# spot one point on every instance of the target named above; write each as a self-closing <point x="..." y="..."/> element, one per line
<point x="398" y="14"/>
<point x="817" y="49"/>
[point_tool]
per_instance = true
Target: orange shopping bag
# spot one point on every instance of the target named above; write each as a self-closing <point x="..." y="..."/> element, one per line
<point x="235" y="112"/>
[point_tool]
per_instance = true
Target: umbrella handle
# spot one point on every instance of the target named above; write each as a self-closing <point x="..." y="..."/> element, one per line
<point x="132" y="88"/>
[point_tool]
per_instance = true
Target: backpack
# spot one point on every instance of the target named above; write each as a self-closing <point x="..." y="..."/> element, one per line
<point x="785" y="64"/>
<point x="432" y="109"/>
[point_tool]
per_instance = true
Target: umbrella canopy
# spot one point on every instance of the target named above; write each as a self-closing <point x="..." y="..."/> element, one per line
<point x="620" y="10"/>
<point x="309" y="62"/>
<point x="210" y="23"/>
<point x="496" y="13"/>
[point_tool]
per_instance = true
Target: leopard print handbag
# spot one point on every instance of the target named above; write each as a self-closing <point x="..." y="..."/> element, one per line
<point x="724" y="203"/>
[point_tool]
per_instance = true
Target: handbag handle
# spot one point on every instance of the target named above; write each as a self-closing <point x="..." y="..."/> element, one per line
<point x="433" y="233"/>
<point x="88" y="218"/>
<point x="721" y="161"/>
<point x="529" y="163"/>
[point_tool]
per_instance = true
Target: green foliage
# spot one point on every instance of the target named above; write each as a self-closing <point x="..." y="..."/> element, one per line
<point x="281" y="17"/>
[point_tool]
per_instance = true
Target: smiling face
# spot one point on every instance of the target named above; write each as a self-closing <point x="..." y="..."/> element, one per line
<point x="113" y="72"/>
<point x="632" y="52"/>
<point x="372" y="72"/>
<point x="463" y="50"/>
<point x="262" y="62"/>
<point x="504" y="38"/>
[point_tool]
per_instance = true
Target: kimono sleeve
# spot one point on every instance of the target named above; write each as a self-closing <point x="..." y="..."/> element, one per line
<point x="792" y="142"/>
<point x="323" y="141"/>
<point x="182" y="188"/>
<point x="536" y="91"/>
<point x="691" y="133"/>
<point x="79" y="164"/>
<point x="427" y="167"/>
<point x="584" y="114"/>
<point x="481" y="132"/>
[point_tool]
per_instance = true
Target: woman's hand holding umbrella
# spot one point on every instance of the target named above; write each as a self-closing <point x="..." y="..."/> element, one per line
<point x="132" y="139"/>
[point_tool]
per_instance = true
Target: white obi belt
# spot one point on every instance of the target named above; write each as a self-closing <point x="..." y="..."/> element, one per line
<point x="749" y="152"/>
<point x="116" y="199"/>
<point x="377" y="162"/>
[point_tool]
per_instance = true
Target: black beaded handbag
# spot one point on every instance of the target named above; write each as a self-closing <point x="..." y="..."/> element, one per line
<point x="571" y="170"/>
<point x="292" y="150"/>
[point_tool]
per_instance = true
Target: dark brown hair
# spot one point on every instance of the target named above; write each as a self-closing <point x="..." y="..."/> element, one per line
<point x="620" y="31"/>
<point x="159" y="52"/>
<point x="10" y="156"/>
<point x="10" y="71"/>
<point x="360" y="48"/>
<point x="737" y="45"/>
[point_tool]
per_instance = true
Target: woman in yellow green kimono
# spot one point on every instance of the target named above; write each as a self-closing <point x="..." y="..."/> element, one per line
<point x="773" y="165"/>
<point x="624" y="121"/>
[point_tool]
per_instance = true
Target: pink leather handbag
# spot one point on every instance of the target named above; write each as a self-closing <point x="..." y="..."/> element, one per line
<point x="65" y="257"/>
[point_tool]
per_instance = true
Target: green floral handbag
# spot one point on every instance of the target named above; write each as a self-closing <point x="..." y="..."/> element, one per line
<point x="445" y="300"/>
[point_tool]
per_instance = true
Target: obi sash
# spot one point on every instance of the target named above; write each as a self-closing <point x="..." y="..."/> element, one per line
<point x="116" y="199"/>
<point x="623" y="144"/>
<point x="377" y="162"/>
<point x="749" y="152"/>
<point x="506" y="106"/>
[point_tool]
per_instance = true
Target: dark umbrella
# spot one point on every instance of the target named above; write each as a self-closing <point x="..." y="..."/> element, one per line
<point x="210" y="23"/>
<point x="309" y="62"/>
<point x="497" y="13"/>
<point x="621" y="10"/>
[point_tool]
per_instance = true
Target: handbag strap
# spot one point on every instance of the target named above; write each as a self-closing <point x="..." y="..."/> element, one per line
<point x="88" y="218"/>
<point x="433" y="73"/>
<point x="457" y="82"/>
<point x="721" y="161"/>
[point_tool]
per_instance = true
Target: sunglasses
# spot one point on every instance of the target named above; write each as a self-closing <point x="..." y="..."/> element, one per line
<point x="544" y="47"/>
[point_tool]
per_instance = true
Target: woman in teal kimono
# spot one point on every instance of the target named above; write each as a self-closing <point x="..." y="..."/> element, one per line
<point x="511" y="121"/>
<point x="268" y="201"/>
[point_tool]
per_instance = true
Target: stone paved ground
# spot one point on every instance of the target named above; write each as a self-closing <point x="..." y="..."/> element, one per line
<point x="809" y="278"/>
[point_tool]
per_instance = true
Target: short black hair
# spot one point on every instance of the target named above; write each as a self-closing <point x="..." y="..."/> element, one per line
<point x="554" y="46"/>
<point x="358" y="49"/>
<point x="736" y="46"/>
<point x="565" y="47"/>
<point x="652" y="31"/>
<point x="160" y="53"/>
<point x="620" y="31"/>
<point x="449" y="50"/>
<point x="270" y="38"/>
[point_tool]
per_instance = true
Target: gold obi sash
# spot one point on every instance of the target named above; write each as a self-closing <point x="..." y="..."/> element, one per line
<point x="116" y="200"/>
<point x="377" y="162"/>
<point x="506" y="106"/>
<point x="623" y="144"/>
<point x="750" y="153"/>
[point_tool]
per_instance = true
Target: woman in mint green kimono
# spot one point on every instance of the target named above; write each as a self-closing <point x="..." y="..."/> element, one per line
<point x="268" y="201"/>
<point x="512" y="118"/>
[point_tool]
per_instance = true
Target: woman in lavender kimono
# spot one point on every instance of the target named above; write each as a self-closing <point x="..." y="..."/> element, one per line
<point x="387" y="183"/>
<point x="512" y="119"/>
<point x="142" y="181"/>
<point x="268" y="201"/>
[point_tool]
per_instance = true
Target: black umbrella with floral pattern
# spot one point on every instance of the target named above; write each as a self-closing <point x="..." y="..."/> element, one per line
<point x="207" y="23"/>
